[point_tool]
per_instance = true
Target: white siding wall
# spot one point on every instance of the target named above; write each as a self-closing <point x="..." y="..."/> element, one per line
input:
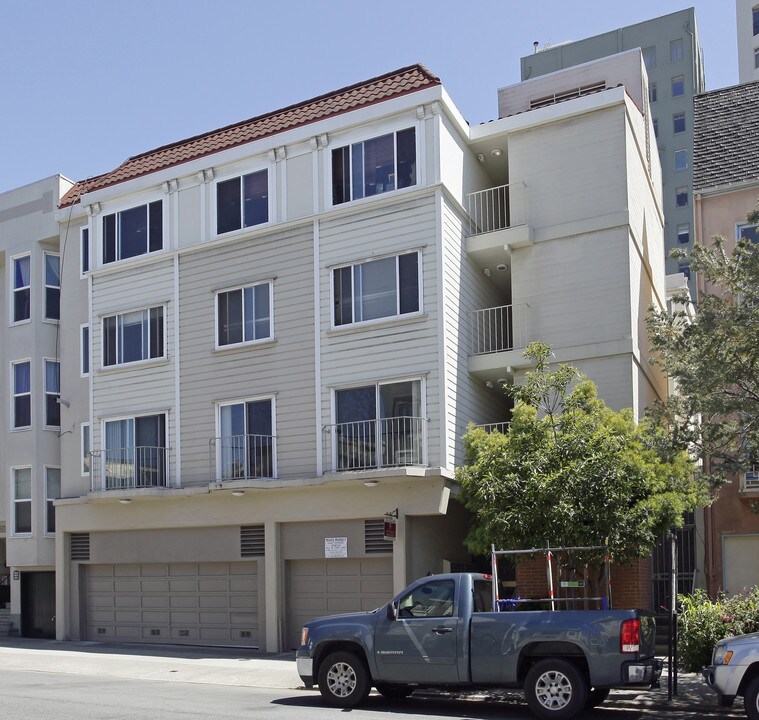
<point x="283" y="369"/>
<point x="397" y="349"/>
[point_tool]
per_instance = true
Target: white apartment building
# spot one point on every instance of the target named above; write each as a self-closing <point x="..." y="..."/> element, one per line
<point x="275" y="334"/>
<point x="747" y="31"/>
<point x="30" y="423"/>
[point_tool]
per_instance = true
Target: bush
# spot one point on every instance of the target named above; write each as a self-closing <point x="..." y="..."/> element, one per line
<point x="701" y="623"/>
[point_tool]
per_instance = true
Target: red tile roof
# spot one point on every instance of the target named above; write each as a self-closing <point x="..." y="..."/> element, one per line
<point x="391" y="85"/>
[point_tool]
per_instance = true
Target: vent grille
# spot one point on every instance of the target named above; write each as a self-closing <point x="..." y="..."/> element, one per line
<point x="252" y="541"/>
<point x="567" y="95"/>
<point x="80" y="546"/>
<point x="374" y="538"/>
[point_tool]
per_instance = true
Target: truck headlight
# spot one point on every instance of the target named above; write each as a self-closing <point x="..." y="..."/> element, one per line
<point x="304" y="636"/>
<point x="722" y="656"/>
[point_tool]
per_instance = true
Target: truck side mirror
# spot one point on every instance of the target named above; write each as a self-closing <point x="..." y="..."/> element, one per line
<point x="392" y="610"/>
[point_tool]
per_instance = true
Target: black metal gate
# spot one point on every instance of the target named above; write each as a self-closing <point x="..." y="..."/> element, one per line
<point x="686" y="565"/>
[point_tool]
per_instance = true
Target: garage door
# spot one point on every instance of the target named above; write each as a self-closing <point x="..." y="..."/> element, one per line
<point x="326" y="587"/>
<point x="195" y="603"/>
<point x="741" y="570"/>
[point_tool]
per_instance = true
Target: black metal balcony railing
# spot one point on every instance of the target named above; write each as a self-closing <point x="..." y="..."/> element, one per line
<point x="129" y="468"/>
<point x="376" y="444"/>
<point x="242" y="457"/>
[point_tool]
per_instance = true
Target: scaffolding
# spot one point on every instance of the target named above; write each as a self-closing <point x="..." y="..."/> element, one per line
<point x="571" y="585"/>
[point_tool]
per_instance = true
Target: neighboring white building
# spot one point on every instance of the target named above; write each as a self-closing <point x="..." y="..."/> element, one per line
<point x="747" y="30"/>
<point x="30" y="423"/>
<point x="277" y="332"/>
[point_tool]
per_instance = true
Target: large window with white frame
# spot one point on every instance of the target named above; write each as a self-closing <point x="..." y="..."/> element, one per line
<point x="133" y="336"/>
<point x="84" y="444"/>
<point x="755" y="19"/>
<point x="133" y="232"/>
<point x="756" y="58"/>
<point x="246" y="442"/>
<point x="22" y="500"/>
<point x="244" y="314"/>
<point x="135" y="453"/>
<point x="676" y="50"/>
<point x="681" y="160"/>
<point x="84" y="349"/>
<point x="374" y="166"/>
<point x="22" y="289"/>
<point x="242" y="202"/>
<point x="379" y="425"/>
<point x="52" y="286"/>
<point x="375" y="289"/>
<point x="747" y="231"/>
<point x="52" y="493"/>
<point x="21" y="409"/>
<point x="52" y="394"/>
<point x="678" y="86"/>
<point x="84" y="250"/>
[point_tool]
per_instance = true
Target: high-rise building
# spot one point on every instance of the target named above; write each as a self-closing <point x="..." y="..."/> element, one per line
<point x="673" y="59"/>
<point x="747" y="30"/>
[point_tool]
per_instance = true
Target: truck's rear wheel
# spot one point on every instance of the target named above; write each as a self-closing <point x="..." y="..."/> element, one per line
<point x="555" y="689"/>
<point x="344" y="679"/>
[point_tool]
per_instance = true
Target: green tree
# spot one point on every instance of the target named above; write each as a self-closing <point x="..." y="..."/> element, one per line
<point x="571" y="472"/>
<point x="714" y="359"/>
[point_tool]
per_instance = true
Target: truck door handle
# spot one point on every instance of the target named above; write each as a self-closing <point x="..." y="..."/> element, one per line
<point x="442" y="630"/>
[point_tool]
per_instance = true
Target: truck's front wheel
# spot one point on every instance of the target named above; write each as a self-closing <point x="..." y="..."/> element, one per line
<point x="555" y="689"/>
<point x="344" y="679"/>
<point x="751" y="699"/>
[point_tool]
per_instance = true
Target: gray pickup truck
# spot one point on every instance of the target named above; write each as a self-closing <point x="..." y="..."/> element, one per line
<point x="441" y="632"/>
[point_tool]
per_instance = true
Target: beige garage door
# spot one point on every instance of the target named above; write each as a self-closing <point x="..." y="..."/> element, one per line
<point x="741" y="569"/>
<point x="326" y="587"/>
<point x="195" y="603"/>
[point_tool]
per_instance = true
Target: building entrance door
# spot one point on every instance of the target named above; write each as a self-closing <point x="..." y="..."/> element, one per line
<point x="38" y="604"/>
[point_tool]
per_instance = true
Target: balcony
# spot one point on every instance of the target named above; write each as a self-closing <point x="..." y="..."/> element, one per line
<point x="501" y="427"/>
<point x="498" y="336"/>
<point x="376" y="444"/>
<point x="497" y="223"/>
<point x="129" y="468"/>
<point x="750" y="480"/>
<point x="243" y="457"/>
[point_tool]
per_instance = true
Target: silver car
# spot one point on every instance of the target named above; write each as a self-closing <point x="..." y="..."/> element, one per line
<point x="735" y="671"/>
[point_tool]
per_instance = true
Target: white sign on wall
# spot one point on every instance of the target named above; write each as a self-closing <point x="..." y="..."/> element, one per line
<point x="336" y="547"/>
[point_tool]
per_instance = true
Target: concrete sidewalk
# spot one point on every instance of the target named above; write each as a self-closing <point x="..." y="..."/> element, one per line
<point x="175" y="663"/>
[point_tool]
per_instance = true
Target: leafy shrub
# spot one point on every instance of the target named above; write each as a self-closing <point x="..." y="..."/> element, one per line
<point x="702" y="623"/>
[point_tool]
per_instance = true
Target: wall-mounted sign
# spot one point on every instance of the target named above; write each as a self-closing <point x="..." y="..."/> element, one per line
<point x="390" y="528"/>
<point x="336" y="547"/>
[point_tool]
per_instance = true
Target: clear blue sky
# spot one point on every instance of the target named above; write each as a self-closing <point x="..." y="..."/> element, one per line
<point x="84" y="84"/>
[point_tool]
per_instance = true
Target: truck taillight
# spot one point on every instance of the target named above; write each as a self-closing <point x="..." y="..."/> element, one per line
<point x="629" y="636"/>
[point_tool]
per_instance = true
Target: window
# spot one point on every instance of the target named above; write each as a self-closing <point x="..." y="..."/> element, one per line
<point x="135" y="452"/>
<point x="649" y="57"/>
<point x="374" y="166"/>
<point x="748" y="232"/>
<point x="85" y="445"/>
<point x="22" y="395"/>
<point x="52" y="287"/>
<point x="133" y="336"/>
<point x="52" y="492"/>
<point x="133" y="232"/>
<point x="242" y="202"/>
<point x="756" y="59"/>
<point x="684" y="268"/>
<point x="683" y="234"/>
<point x="376" y="289"/>
<point x="656" y="128"/>
<point x="85" y="349"/>
<point x="678" y="86"/>
<point x="433" y="599"/>
<point x="379" y="425"/>
<point x="22" y="288"/>
<point x="678" y="122"/>
<point x="52" y="393"/>
<point x="681" y="196"/>
<point x="246" y="447"/>
<point x="244" y="315"/>
<point x="652" y="93"/>
<point x="755" y="18"/>
<point x="681" y="160"/>
<point x="22" y="500"/>
<point x="676" y="50"/>
<point x="84" y="250"/>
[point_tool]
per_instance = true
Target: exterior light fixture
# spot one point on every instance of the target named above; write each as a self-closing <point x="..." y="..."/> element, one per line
<point x="496" y="152"/>
<point x="481" y="157"/>
<point x="502" y="267"/>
